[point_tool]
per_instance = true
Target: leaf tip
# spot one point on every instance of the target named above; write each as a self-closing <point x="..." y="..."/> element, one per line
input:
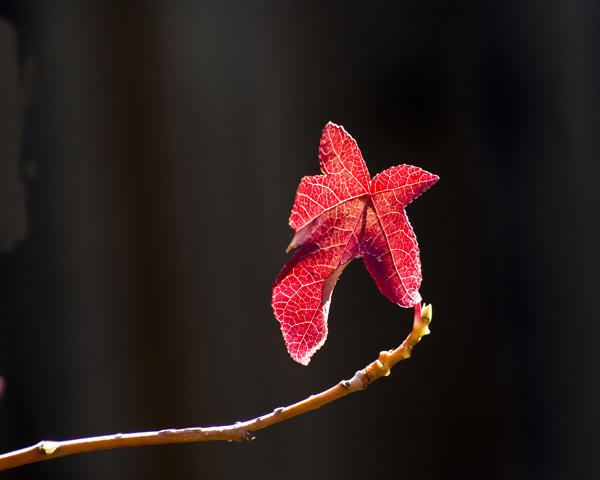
<point x="302" y="359"/>
<point x="299" y="238"/>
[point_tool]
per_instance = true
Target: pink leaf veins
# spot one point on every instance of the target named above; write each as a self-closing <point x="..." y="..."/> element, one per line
<point x="339" y="216"/>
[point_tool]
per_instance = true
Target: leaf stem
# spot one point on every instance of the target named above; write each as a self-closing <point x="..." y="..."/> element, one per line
<point x="238" y="432"/>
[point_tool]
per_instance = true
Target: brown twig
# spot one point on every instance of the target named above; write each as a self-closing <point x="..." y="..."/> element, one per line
<point x="238" y="432"/>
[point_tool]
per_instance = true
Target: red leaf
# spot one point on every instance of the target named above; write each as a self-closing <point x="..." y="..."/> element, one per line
<point x="339" y="216"/>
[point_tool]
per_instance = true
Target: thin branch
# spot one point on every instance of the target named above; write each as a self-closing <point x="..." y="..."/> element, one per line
<point x="238" y="432"/>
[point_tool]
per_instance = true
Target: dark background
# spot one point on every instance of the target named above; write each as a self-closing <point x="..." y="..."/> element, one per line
<point x="169" y="139"/>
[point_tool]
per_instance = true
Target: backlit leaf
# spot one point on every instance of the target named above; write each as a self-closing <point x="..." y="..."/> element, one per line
<point x="338" y="216"/>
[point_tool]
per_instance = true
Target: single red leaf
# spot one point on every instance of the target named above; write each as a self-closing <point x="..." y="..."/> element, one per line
<point x="338" y="216"/>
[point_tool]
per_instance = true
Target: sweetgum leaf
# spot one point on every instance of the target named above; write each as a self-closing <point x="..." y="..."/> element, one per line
<point x="338" y="216"/>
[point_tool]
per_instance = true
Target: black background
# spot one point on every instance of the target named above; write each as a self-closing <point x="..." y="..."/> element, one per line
<point x="170" y="138"/>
